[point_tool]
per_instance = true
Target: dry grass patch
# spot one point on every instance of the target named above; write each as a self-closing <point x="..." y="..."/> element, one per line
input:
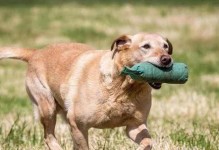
<point x="212" y="79"/>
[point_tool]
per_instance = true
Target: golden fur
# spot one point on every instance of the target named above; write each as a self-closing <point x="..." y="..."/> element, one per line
<point x="85" y="85"/>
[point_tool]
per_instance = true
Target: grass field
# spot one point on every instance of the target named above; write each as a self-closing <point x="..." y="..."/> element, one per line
<point x="183" y="117"/>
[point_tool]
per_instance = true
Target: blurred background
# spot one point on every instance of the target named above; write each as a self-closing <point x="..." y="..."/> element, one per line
<point x="182" y="116"/>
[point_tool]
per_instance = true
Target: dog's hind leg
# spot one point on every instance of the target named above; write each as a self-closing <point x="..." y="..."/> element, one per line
<point x="42" y="98"/>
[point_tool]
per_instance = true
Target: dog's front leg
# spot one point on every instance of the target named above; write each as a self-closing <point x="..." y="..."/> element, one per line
<point x="140" y="135"/>
<point x="79" y="135"/>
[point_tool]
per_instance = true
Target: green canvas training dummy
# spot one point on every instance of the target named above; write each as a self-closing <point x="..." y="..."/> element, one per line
<point x="176" y="74"/>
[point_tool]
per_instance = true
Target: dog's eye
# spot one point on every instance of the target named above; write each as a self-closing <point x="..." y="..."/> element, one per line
<point x="165" y="46"/>
<point x="146" y="46"/>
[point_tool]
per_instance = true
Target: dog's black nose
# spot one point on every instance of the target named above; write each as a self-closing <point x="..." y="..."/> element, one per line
<point x="165" y="60"/>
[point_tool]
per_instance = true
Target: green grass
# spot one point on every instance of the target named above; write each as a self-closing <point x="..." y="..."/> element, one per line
<point x="20" y="135"/>
<point x="83" y="34"/>
<point x="20" y="104"/>
<point x="182" y="116"/>
<point x="196" y="137"/>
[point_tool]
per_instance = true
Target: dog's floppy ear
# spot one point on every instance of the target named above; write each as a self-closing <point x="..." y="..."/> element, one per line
<point x="170" y="47"/>
<point x="121" y="43"/>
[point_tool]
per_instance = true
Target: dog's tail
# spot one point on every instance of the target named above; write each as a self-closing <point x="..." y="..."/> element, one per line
<point x="16" y="53"/>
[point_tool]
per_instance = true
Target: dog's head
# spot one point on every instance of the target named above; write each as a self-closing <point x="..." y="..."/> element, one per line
<point x="129" y="50"/>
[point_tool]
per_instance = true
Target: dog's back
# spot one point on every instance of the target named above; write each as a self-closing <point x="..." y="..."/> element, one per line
<point x="50" y="52"/>
<point x="52" y="63"/>
<point x="56" y="62"/>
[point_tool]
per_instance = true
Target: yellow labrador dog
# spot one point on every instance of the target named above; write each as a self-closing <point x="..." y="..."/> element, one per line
<point x="86" y="86"/>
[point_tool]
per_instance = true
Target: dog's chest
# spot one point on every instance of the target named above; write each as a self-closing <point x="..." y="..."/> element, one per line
<point x="114" y="114"/>
<point x="121" y="110"/>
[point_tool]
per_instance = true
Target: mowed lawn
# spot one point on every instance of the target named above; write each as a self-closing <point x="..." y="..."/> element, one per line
<point x="183" y="117"/>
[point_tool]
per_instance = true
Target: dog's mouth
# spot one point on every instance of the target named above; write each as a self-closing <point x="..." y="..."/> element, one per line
<point x="155" y="85"/>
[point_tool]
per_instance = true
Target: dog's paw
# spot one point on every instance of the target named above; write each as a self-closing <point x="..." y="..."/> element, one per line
<point x="143" y="147"/>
